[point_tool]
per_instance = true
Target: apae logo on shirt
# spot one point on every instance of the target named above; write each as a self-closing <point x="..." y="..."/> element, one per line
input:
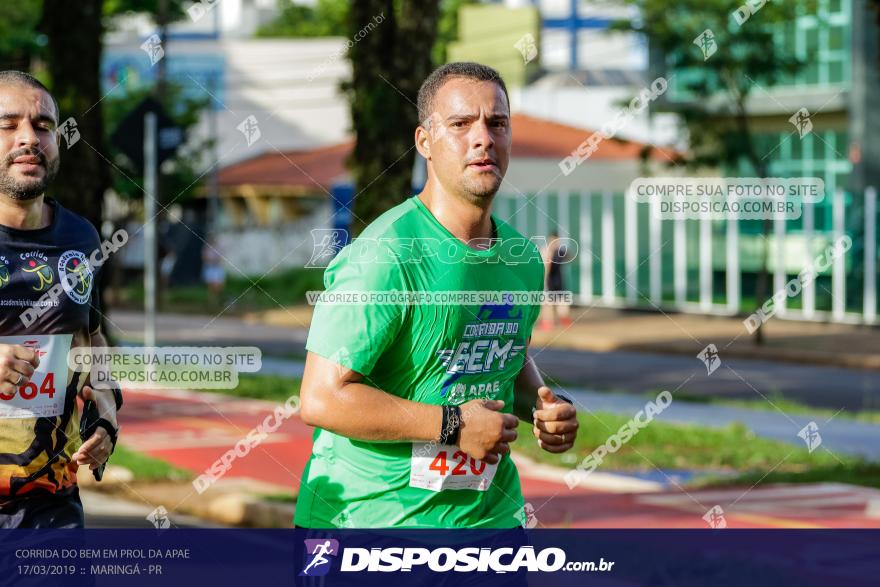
<point x="487" y="347"/>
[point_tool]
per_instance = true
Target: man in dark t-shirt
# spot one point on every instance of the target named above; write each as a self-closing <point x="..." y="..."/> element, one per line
<point x="43" y="245"/>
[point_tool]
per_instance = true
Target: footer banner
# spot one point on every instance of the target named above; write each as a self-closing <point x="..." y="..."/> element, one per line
<point x="207" y="557"/>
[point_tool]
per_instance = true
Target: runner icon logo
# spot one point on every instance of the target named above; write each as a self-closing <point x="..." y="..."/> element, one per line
<point x="317" y="553"/>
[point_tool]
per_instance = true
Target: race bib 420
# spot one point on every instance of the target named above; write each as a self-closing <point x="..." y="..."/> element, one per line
<point x="439" y="467"/>
<point x="44" y="394"/>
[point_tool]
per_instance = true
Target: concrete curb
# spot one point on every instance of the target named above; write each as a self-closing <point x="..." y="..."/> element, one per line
<point x="246" y="510"/>
<point x="233" y="502"/>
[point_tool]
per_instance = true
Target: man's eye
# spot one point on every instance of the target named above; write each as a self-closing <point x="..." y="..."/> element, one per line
<point x="458" y="124"/>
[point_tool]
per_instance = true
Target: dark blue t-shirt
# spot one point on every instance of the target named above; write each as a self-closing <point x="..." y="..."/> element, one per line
<point x="39" y="428"/>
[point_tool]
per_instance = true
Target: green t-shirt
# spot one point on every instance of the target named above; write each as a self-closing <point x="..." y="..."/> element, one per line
<point x="429" y="353"/>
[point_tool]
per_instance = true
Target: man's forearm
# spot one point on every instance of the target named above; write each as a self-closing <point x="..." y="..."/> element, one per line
<point x="362" y="412"/>
<point x="98" y="340"/>
<point x="525" y="389"/>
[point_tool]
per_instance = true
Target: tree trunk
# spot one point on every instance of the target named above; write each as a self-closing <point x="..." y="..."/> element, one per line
<point x="74" y="62"/>
<point x="390" y="61"/>
<point x="74" y="33"/>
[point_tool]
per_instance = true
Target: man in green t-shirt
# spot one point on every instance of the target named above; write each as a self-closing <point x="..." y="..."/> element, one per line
<point x="416" y="399"/>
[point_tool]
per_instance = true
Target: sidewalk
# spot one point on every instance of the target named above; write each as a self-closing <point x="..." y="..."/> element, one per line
<point x="108" y="511"/>
<point x="283" y="332"/>
<point x="597" y="330"/>
<point x="605" y="330"/>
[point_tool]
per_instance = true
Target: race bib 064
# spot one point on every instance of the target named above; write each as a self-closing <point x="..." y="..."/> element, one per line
<point x="44" y="394"/>
<point x="439" y="467"/>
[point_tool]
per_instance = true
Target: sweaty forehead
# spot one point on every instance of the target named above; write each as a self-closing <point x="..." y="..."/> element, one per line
<point x="464" y="95"/>
<point x="25" y="100"/>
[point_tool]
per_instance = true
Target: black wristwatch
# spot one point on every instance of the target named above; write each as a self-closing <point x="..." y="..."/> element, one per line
<point x="450" y="425"/>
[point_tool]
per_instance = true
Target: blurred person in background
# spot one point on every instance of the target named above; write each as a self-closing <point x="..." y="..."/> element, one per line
<point x="213" y="272"/>
<point x="554" y="255"/>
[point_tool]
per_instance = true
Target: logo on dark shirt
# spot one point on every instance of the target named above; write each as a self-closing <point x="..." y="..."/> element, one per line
<point x="76" y="276"/>
<point x="37" y="264"/>
<point x="4" y="272"/>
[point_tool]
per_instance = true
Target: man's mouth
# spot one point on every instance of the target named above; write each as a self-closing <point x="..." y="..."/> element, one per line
<point x="28" y="162"/>
<point x="485" y="164"/>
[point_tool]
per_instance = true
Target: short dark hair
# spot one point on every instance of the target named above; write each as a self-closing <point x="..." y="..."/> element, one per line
<point x="466" y="69"/>
<point x="20" y="78"/>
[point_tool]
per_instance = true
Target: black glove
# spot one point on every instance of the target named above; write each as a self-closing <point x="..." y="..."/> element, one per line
<point x="89" y="422"/>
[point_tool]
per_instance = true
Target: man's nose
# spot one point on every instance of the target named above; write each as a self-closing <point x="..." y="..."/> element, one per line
<point x="26" y="136"/>
<point x="481" y="135"/>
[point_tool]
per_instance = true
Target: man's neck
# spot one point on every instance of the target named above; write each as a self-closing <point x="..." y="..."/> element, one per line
<point x="24" y="214"/>
<point x="468" y="222"/>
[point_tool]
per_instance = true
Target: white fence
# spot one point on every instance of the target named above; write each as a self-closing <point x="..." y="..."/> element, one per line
<point x="682" y="259"/>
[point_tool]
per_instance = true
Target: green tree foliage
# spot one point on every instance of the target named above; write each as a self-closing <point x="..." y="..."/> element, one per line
<point x="716" y="89"/>
<point x="19" y="38"/>
<point x="326" y="19"/>
<point x="447" y="27"/>
<point x="329" y="18"/>
<point x="174" y="9"/>
<point x="746" y="60"/>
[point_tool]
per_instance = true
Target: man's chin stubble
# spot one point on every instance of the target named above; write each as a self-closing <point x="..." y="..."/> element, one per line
<point x="17" y="191"/>
<point x="480" y="194"/>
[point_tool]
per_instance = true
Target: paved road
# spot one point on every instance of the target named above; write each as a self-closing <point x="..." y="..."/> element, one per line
<point x="179" y="329"/>
<point x="826" y="387"/>
<point x="192" y="430"/>
<point x="839" y="434"/>
<point x="735" y="378"/>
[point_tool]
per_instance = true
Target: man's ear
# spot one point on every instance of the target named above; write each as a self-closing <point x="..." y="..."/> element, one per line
<point x="423" y="141"/>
